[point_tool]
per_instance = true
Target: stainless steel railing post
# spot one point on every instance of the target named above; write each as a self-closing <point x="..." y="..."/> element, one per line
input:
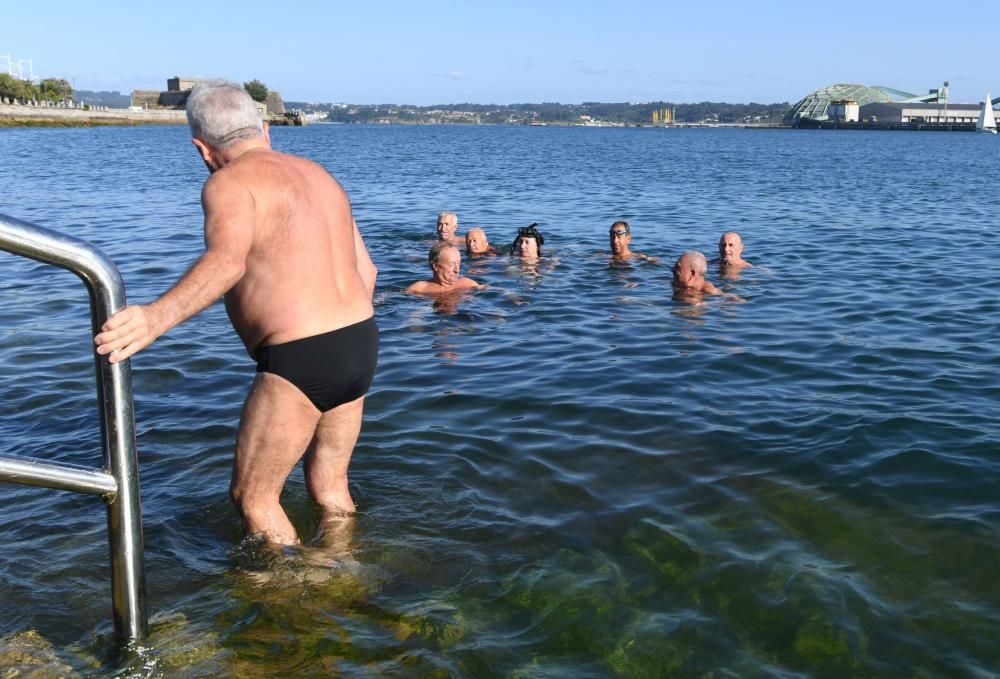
<point x="117" y="414"/>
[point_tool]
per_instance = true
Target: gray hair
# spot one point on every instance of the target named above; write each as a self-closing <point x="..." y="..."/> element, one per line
<point x="697" y="260"/>
<point x="435" y="254"/>
<point x="221" y="113"/>
<point x="735" y="233"/>
<point x="442" y="215"/>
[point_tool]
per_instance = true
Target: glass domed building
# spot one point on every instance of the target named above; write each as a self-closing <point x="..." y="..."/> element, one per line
<point x="814" y="106"/>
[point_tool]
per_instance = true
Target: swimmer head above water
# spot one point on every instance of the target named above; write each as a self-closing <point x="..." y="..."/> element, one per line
<point x="447" y="225"/>
<point x="619" y="236"/>
<point x="731" y="251"/>
<point x="476" y="243"/>
<point x="528" y="242"/>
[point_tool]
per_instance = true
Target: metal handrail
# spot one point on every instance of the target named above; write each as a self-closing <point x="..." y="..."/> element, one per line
<point x="118" y="481"/>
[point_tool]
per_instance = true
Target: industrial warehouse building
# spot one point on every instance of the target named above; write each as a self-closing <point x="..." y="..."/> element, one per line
<point x="848" y="102"/>
<point x="919" y="113"/>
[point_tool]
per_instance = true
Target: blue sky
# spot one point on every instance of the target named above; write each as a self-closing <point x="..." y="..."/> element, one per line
<point x="437" y="52"/>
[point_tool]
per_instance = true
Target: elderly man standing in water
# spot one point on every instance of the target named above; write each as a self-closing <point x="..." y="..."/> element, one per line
<point x="281" y="245"/>
<point x="689" y="275"/>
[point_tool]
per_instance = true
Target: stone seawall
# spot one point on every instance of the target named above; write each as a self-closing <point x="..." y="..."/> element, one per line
<point x="12" y="115"/>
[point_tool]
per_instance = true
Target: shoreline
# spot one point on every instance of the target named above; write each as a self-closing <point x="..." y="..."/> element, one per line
<point x="16" y="115"/>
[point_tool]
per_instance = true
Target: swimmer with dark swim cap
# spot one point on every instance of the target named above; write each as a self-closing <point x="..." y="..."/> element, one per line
<point x="527" y="243"/>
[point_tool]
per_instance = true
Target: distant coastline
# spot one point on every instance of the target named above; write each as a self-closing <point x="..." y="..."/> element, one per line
<point x="19" y="115"/>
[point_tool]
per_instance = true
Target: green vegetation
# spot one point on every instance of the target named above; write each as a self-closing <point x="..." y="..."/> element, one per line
<point x="50" y="89"/>
<point x="256" y="89"/>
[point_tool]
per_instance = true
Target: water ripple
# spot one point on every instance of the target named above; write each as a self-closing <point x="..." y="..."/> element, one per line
<point x="567" y="472"/>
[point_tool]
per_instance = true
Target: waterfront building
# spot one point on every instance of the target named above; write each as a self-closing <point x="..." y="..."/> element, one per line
<point x="913" y="112"/>
<point x="178" y="89"/>
<point x="844" y="110"/>
<point x="174" y="97"/>
<point x="824" y="103"/>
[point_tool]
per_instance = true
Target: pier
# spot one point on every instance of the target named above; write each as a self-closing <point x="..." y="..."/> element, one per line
<point x="862" y="125"/>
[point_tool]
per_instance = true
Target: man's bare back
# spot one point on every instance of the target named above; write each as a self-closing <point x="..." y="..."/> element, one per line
<point x="302" y="270"/>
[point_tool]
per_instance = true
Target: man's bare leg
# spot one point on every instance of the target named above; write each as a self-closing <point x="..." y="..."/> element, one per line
<point x="277" y="424"/>
<point x="327" y="461"/>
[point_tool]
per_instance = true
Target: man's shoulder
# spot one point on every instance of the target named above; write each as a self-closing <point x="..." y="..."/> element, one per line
<point x="266" y="172"/>
<point x="223" y="188"/>
<point x="263" y="161"/>
<point x="419" y="288"/>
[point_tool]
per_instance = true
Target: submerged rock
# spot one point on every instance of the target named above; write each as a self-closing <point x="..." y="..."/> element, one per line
<point x="29" y="654"/>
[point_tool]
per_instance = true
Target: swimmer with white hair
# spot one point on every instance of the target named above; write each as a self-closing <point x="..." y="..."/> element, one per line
<point x="446" y="273"/>
<point x="447" y="228"/>
<point x="731" y="252"/>
<point x="477" y="244"/>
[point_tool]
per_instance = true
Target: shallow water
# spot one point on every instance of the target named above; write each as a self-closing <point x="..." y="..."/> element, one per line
<point x="567" y="473"/>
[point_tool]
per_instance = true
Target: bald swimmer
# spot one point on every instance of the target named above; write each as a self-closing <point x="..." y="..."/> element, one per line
<point x="689" y="275"/>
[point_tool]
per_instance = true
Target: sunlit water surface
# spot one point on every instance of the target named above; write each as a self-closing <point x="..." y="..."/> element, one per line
<point x="567" y="473"/>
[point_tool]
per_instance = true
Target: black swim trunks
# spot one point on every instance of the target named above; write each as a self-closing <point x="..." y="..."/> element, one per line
<point x="330" y="369"/>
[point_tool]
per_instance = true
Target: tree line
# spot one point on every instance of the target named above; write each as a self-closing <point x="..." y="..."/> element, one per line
<point x="49" y="89"/>
<point x="550" y="112"/>
<point x="59" y="89"/>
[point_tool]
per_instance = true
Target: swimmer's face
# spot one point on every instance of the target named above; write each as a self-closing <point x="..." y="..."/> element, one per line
<point x="730" y="247"/>
<point x="475" y="242"/>
<point x="682" y="273"/>
<point x="528" y="247"/>
<point x="446" y="268"/>
<point x="446" y="227"/>
<point x="620" y="239"/>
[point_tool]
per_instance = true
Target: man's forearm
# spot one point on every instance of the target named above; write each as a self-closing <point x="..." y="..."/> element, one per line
<point x="208" y="279"/>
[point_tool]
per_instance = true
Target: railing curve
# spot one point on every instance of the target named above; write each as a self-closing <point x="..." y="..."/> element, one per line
<point x="118" y="481"/>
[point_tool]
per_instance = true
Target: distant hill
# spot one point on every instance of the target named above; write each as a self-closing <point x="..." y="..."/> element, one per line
<point x="551" y="113"/>
<point x="103" y="98"/>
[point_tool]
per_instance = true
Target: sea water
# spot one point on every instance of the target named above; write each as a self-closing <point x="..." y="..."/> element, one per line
<point x="568" y="472"/>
